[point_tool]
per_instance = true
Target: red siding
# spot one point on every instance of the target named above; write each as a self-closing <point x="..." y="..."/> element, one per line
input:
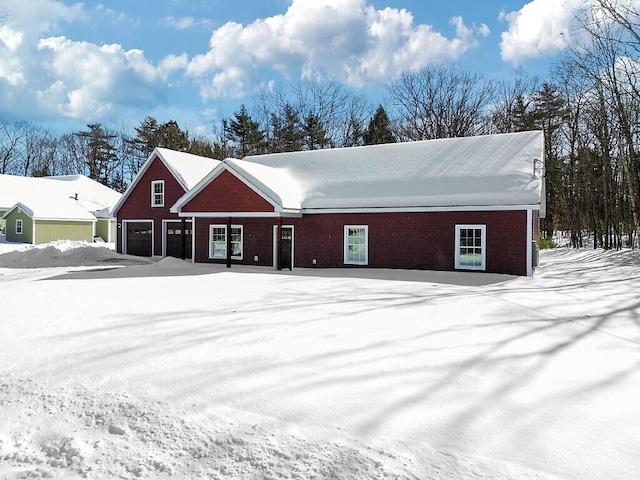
<point x="137" y="206"/>
<point x="226" y="193"/>
<point x="396" y="240"/>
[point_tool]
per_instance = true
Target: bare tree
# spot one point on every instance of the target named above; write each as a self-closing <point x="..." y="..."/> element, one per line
<point x="440" y="102"/>
<point x="513" y="99"/>
<point x="12" y="135"/>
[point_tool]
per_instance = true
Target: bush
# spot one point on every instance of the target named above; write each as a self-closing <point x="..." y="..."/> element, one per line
<point x="544" y="243"/>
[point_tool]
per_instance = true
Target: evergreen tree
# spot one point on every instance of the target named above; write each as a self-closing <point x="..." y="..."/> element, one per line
<point x="287" y="131"/>
<point x="246" y="134"/>
<point x="99" y="153"/>
<point x="315" y="135"/>
<point x="172" y="137"/>
<point x="147" y="136"/>
<point x="379" y="129"/>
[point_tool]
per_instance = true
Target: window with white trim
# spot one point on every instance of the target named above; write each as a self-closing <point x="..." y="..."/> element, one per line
<point x="471" y="247"/>
<point x="218" y="241"/>
<point x="356" y="244"/>
<point x="18" y="226"/>
<point x="157" y="193"/>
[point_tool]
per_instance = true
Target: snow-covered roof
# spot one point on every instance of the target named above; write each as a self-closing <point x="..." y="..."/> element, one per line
<point x="187" y="169"/>
<point x="57" y="208"/>
<point x="479" y="171"/>
<point x="44" y="196"/>
<point x="486" y="170"/>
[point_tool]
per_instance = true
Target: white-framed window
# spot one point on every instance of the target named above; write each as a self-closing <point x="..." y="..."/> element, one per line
<point x="218" y="241"/>
<point x="157" y="193"/>
<point x="471" y="247"/>
<point x="356" y="244"/>
<point x="18" y="226"/>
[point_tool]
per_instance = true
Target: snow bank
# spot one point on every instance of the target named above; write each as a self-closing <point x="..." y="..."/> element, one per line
<point x="66" y="253"/>
<point x="74" y="432"/>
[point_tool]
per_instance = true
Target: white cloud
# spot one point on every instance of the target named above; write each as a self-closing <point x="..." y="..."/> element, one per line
<point x="35" y="17"/>
<point x="344" y="40"/>
<point x="54" y="76"/>
<point x="185" y="23"/>
<point x="87" y="81"/>
<point x="540" y="28"/>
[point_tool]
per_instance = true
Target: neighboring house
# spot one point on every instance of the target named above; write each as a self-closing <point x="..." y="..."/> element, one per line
<point x="470" y="203"/>
<point x="39" y="210"/>
<point x="146" y="227"/>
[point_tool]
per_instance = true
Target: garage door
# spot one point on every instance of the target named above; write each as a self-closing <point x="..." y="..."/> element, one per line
<point x="174" y="242"/>
<point x="139" y="238"/>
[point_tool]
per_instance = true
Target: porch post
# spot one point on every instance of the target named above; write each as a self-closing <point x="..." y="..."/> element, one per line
<point x="184" y="239"/>
<point x="279" y="245"/>
<point x="228" y="242"/>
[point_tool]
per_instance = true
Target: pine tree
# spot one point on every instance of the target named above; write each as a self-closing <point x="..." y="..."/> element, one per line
<point x="315" y="135"/>
<point x="172" y="137"/>
<point x="379" y="129"/>
<point x="246" y="134"/>
<point x="99" y="153"/>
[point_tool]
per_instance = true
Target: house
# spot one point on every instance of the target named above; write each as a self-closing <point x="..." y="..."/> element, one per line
<point x="72" y="207"/>
<point x="469" y="204"/>
<point x="146" y="227"/>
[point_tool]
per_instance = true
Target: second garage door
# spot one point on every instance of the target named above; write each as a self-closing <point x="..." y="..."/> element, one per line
<point x="174" y="239"/>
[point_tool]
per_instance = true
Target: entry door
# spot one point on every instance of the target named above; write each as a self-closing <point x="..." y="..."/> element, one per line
<point x="286" y="248"/>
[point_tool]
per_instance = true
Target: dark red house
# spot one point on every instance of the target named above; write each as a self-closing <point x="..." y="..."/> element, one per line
<point x="145" y="225"/>
<point x="471" y="203"/>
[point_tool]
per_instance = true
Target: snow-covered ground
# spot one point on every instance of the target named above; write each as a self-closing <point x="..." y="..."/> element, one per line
<point x="167" y="369"/>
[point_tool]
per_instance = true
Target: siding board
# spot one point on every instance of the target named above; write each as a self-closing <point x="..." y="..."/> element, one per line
<point x="423" y="241"/>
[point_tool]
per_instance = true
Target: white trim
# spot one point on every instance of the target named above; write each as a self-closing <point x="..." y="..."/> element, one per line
<point x="529" y="243"/>
<point x="164" y="233"/>
<point x="21" y="232"/>
<point x="124" y="233"/>
<point x="346" y="244"/>
<point x="483" y="240"/>
<point x="153" y="193"/>
<point x="275" y="245"/>
<point x="234" y="214"/>
<point x="443" y="208"/>
<point x="219" y="225"/>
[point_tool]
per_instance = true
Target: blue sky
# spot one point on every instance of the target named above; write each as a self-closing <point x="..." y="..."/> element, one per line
<point x="64" y="63"/>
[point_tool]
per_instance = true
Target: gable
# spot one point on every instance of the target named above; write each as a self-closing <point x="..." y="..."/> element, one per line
<point x="138" y="198"/>
<point x="227" y="193"/>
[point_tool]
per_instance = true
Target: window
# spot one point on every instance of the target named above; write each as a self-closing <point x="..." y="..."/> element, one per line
<point x="471" y="247"/>
<point x="218" y="241"/>
<point x="356" y="244"/>
<point x="18" y="226"/>
<point x="157" y="193"/>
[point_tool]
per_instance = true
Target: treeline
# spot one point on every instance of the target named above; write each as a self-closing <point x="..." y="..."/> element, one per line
<point x="589" y="108"/>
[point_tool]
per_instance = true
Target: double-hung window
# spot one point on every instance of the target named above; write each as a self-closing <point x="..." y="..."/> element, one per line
<point x="218" y="241"/>
<point x="356" y="244"/>
<point x="157" y="193"/>
<point x="471" y="247"/>
<point x="18" y="226"/>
